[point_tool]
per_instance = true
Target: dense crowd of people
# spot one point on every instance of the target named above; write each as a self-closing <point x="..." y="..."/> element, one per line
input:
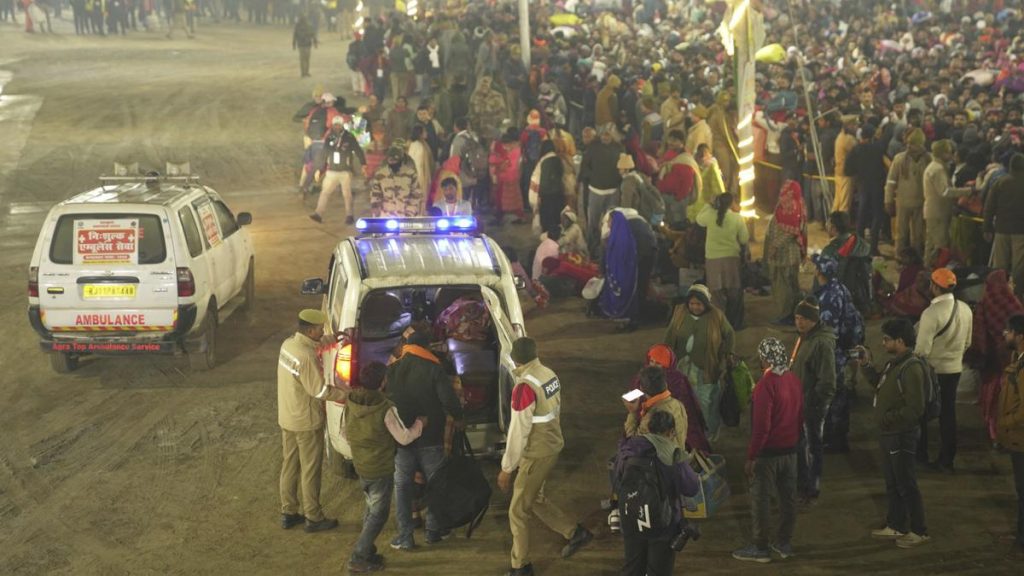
<point x="888" y="125"/>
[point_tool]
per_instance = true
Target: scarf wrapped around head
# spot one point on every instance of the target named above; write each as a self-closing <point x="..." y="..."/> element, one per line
<point x="789" y="213"/>
<point x="827" y="265"/>
<point x="774" y="353"/>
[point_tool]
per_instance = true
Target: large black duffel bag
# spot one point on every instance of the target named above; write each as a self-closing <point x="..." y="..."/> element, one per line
<point x="458" y="494"/>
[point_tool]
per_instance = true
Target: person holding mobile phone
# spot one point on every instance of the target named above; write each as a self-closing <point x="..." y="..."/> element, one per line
<point x="655" y="398"/>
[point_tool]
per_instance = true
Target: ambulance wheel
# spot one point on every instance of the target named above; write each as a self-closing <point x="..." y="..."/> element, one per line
<point x="206" y="356"/>
<point x="63" y="362"/>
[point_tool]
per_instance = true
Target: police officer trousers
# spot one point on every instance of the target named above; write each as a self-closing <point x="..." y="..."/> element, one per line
<point x="528" y="500"/>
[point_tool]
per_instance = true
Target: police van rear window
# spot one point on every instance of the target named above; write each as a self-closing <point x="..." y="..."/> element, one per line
<point x="108" y="239"/>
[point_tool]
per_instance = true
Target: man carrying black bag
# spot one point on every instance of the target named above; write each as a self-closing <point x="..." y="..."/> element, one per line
<point x="652" y="476"/>
<point x="533" y="443"/>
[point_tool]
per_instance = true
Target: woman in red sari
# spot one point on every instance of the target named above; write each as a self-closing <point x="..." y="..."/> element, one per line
<point x="504" y="161"/>
<point x="785" y="246"/>
<point x="988" y="347"/>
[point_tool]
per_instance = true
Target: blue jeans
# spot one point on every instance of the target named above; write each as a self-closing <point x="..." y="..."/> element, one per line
<point x="408" y="460"/>
<point x="378" y="505"/>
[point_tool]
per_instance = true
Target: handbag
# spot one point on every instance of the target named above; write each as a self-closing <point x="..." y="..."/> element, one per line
<point x="729" y="408"/>
<point x="742" y="383"/>
<point x="714" y="489"/>
<point x="458" y="493"/>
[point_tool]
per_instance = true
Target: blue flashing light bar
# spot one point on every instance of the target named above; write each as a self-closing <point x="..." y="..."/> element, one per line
<point x="456" y="224"/>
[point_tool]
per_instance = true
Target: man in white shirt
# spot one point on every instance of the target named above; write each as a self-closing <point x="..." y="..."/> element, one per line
<point x="943" y="335"/>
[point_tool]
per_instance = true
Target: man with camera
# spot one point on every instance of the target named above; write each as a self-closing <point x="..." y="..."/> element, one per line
<point x="652" y="475"/>
<point x="776" y="417"/>
<point x="899" y="404"/>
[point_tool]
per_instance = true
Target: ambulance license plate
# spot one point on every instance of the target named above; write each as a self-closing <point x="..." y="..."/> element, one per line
<point x="108" y="291"/>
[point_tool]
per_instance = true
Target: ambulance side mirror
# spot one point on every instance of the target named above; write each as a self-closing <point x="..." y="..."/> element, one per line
<point x="313" y="287"/>
<point x="520" y="283"/>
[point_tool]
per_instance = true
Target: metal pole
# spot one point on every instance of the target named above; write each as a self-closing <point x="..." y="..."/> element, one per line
<point x="815" y="143"/>
<point x="524" y="32"/>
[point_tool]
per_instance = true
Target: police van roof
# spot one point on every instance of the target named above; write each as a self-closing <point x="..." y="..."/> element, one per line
<point x="402" y="256"/>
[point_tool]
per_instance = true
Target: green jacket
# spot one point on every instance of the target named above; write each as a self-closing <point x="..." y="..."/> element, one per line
<point x="899" y="397"/>
<point x="373" y="447"/>
<point x="815" y="364"/>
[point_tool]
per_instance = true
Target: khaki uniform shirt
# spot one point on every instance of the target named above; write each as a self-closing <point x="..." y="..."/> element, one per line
<point x="301" y="390"/>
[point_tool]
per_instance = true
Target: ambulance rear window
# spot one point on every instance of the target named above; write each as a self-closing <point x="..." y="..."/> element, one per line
<point x="148" y="247"/>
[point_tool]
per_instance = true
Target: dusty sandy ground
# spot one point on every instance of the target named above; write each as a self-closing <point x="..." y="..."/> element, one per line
<point x="138" y="466"/>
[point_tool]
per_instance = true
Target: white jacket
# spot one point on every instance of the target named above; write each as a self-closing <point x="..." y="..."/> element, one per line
<point x="946" y="352"/>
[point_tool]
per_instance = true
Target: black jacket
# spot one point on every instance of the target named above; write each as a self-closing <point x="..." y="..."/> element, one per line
<point x="420" y="387"/>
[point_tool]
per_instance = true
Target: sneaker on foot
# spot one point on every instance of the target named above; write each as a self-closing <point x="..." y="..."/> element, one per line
<point x="912" y="540"/>
<point x="436" y="536"/>
<point x="316" y="218"/>
<point x="887" y="533"/>
<point x="404" y="544"/>
<point x="290" y="520"/>
<point x="752" y="554"/>
<point x="321" y="525"/>
<point x="580" y="538"/>
<point x="783" y="550"/>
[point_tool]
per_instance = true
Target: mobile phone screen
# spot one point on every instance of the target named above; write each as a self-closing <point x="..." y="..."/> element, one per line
<point x="632" y="395"/>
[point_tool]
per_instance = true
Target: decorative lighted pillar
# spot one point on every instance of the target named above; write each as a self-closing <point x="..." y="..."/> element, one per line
<point x="742" y="32"/>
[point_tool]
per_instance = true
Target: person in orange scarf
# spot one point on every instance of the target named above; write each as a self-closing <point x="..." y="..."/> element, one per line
<point x="785" y="247"/>
<point x="657" y="398"/>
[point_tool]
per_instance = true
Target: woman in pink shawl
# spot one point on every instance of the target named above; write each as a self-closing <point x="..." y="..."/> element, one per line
<point x="679" y="387"/>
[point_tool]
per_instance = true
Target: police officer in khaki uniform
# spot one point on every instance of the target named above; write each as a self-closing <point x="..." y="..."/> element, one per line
<point x="301" y="393"/>
<point x="534" y="441"/>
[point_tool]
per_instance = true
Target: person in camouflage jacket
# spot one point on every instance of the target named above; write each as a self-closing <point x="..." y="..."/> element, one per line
<point x="487" y="110"/>
<point x="394" y="187"/>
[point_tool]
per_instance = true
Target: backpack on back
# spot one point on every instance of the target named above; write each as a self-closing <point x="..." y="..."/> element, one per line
<point x="474" y="159"/>
<point x="317" y="126"/>
<point x="931" y="385"/>
<point x="354" y="54"/>
<point x="645" y="510"/>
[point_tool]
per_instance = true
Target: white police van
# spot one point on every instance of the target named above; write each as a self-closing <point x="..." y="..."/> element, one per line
<point x="145" y="264"/>
<point x="397" y="271"/>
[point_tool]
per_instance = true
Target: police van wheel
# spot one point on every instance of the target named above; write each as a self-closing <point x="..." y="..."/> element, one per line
<point x="249" y="288"/>
<point x="206" y="356"/>
<point x="63" y="363"/>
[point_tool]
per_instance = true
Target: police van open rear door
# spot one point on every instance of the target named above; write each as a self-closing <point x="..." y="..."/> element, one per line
<point x="506" y="335"/>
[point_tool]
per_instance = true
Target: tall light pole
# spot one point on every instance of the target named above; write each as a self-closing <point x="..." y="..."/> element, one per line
<point x="524" y="32"/>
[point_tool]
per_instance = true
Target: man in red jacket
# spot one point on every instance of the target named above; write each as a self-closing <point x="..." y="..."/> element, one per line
<point x="679" y="178"/>
<point x="776" y="417"/>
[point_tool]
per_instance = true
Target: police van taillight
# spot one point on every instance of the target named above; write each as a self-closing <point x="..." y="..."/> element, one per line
<point x="33" y="282"/>
<point x="345" y="371"/>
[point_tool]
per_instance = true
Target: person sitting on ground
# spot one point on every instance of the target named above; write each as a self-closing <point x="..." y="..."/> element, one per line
<point x="572" y="240"/>
<point x="372" y="428"/>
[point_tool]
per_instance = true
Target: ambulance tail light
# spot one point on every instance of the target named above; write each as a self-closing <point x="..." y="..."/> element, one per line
<point x="186" y="283"/>
<point x="344" y="363"/>
<point x="33" y="282"/>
